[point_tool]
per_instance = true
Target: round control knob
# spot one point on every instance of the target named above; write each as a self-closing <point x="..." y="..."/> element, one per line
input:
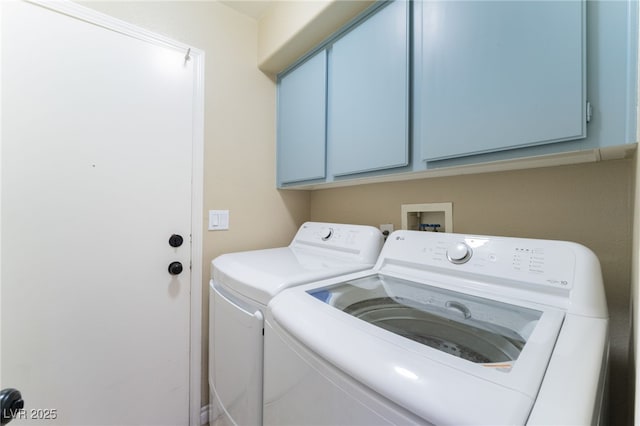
<point x="326" y="234"/>
<point x="459" y="253"/>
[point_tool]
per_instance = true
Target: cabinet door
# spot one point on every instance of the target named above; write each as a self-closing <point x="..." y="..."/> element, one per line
<point x="368" y="94"/>
<point x="301" y="121"/>
<point x="495" y="75"/>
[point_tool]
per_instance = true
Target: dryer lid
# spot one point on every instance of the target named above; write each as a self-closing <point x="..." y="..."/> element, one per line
<point x="261" y="274"/>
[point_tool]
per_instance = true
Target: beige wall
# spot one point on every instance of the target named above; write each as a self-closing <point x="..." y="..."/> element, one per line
<point x="289" y="29"/>
<point x="239" y="129"/>
<point x="587" y="203"/>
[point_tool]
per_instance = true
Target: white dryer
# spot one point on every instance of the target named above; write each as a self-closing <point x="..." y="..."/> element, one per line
<point x="445" y="329"/>
<point x="241" y="286"/>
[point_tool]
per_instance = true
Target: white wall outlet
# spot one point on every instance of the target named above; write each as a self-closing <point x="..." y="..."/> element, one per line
<point x="386" y="227"/>
<point x="218" y="220"/>
<point x="417" y="216"/>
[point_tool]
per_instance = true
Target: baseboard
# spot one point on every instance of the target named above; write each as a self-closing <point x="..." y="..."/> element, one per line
<point x="204" y="415"/>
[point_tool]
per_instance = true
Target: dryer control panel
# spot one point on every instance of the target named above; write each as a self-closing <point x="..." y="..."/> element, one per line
<point x="362" y="242"/>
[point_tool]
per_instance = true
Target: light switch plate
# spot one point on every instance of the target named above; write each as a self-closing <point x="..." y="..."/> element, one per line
<point x="218" y="220"/>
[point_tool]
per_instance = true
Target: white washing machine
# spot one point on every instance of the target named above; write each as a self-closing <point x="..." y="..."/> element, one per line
<point x="445" y="329"/>
<point x="241" y="286"/>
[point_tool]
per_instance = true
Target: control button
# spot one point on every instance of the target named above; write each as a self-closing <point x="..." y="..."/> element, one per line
<point x="459" y="253"/>
<point x="326" y="234"/>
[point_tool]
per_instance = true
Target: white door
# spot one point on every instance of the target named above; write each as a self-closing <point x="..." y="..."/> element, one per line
<point x="96" y="170"/>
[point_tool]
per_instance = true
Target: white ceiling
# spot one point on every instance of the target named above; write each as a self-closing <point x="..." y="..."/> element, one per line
<point x="252" y="8"/>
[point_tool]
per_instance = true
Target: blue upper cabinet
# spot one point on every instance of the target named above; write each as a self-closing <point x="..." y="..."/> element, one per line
<point x="301" y="122"/>
<point x="413" y="87"/>
<point x="368" y="94"/>
<point x="497" y="75"/>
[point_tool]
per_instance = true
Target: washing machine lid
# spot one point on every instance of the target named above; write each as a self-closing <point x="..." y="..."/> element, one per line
<point x="261" y="274"/>
<point x="449" y="357"/>
<point x="479" y="330"/>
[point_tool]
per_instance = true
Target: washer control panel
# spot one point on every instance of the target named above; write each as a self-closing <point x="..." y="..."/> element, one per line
<point x="543" y="262"/>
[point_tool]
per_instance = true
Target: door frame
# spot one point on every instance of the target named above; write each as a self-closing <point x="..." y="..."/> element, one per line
<point x="197" y="58"/>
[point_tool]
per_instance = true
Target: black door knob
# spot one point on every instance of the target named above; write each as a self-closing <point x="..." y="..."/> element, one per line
<point x="176" y="240"/>
<point x="10" y="404"/>
<point x="175" y="268"/>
